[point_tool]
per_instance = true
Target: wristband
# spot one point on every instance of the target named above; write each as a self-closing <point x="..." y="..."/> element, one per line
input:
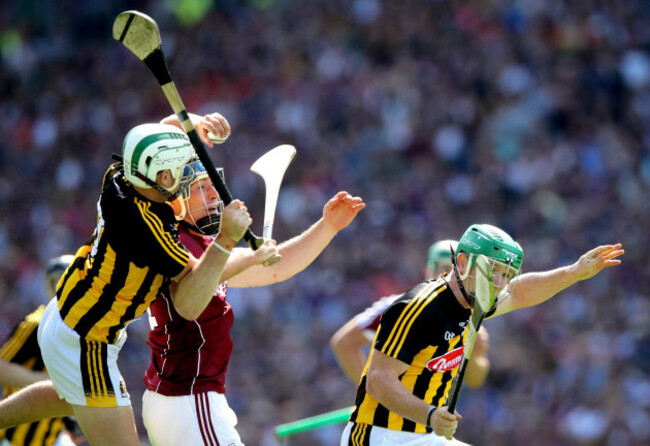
<point x="221" y="248"/>
<point x="431" y="411"/>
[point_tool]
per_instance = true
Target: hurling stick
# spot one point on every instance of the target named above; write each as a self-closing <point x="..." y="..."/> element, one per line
<point x="271" y="167"/>
<point x="483" y="303"/>
<point x="311" y="423"/>
<point x="140" y="34"/>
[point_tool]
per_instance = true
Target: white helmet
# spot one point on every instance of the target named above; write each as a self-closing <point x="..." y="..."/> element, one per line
<point x="152" y="148"/>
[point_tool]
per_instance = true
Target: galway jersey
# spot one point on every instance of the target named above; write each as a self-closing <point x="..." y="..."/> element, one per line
<point x="425" y="328"/>
<point x="115" y="276"/>
<point x="22" y="348"/>
<point x="368" y="320"/>
<point x="189" y="357"/>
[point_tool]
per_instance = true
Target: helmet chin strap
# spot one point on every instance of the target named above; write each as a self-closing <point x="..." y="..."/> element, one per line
<point x="469" y="299"/>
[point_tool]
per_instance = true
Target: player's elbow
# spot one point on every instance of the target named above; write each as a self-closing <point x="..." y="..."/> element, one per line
<point x="375" y="383"/>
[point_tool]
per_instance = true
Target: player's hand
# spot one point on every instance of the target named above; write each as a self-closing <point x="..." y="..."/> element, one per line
<point x="596" y="260"/>
<point x="444" y="423"/>
<point x="235" y="220"/>
<point x="215" y="124"/>
<point x="268" y="249"/>
<point x="341" y="209"/>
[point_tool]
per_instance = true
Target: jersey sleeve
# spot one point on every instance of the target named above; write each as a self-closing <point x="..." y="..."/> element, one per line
<point x="164" y="251"/>
<point x="407" y="325"/>
<point x="22" y="346"/>
<point x="145" y="231"/>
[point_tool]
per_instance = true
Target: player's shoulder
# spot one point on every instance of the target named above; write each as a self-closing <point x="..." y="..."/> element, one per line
<point x="427" y="290"/>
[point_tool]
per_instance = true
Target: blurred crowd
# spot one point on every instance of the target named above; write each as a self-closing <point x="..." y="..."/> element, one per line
<point x="530" y="115"/>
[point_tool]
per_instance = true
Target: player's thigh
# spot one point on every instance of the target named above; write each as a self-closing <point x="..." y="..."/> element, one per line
<point x="84" y="372"/>
<point x="107" y="426"/>
<point x="204" y="418"/>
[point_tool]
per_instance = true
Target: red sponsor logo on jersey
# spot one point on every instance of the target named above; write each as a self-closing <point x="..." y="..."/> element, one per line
<point x="446" y="362"/>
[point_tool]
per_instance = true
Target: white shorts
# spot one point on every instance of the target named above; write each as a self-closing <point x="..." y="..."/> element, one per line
<point x="62" y="440"/>
<point x="84" y="372"/>
<point x="380" y="436"/>
<point x="200" y="419"/>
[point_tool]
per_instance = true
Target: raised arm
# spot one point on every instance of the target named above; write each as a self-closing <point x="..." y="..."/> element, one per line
<point x="534" y="288"/>
<point x="300" y="251"/>
<point x="213" y="122"/>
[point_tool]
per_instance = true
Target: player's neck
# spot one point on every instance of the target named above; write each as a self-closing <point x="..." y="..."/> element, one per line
<point x="453" y="286"/>
<point x="151" y="194"/>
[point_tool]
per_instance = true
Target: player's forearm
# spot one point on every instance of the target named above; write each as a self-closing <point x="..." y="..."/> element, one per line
<point x="16" y="376"/>
<point x="173" y="120"/>
<point x="192" y="294"/>
<point x="534" y="288"/>
<point x="350" y="359"/>
<point x="300" y="251"/>
<point x="240" y="260"/>
<point x="297" y="254"/>
<point x="392" y="394"/>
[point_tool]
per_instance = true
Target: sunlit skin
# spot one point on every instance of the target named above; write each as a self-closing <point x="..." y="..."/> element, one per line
<point x="203" y="199"/>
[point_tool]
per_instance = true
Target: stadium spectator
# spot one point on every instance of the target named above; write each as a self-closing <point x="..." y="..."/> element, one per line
<point x="530" y="115"/>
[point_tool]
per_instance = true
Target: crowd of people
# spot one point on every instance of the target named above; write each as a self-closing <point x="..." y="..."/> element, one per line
<point x="531" y="116"/>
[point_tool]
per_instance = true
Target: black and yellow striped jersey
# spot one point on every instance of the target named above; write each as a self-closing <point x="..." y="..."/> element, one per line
<point x="22" y="348"/>
<point x="133" y="252"/>
<point x="425" y="328"/>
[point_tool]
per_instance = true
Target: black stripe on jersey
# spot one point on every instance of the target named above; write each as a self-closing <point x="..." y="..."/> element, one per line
<point x="104" y="304"/>
<point x="77" y="264"/>
<point x="137" y="300"/>
<point x="420" y="388"/>
<point x="29" y="350"/>
<point x="380" y="417"/>
<point x="29" y="437"/>
<point x="48" y="432"/>
<point x="440" y="391"/>
<point x="82" y="287"/>
<point x="9" y="433"/>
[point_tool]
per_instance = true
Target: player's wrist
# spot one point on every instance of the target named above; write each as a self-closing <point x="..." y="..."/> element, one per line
<point x="225" y="241"/>
<point x="432" y="409"/>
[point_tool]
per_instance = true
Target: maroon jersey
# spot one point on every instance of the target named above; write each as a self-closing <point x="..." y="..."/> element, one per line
<point x="189" y="357"/>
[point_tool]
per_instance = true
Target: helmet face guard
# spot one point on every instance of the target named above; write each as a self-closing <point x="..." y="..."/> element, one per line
<point x="504" y="253"/>
<point x="196" y="197"/>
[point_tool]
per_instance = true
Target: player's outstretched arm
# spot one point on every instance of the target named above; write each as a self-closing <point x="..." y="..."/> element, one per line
<point x="300" y="251"/>
<point x="534" y="288"/>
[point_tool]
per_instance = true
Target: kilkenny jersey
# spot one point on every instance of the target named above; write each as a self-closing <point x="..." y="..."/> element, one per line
<point x="368" y="320"/>
<point x="114" y="277"/>
<point x="190" y="357"/>
<point x="22" y="348"/>
<point x="425" y="328"/>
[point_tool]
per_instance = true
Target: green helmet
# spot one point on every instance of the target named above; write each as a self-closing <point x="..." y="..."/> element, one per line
<point x="440" y="251"/>
<point x="493" y="243"/>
